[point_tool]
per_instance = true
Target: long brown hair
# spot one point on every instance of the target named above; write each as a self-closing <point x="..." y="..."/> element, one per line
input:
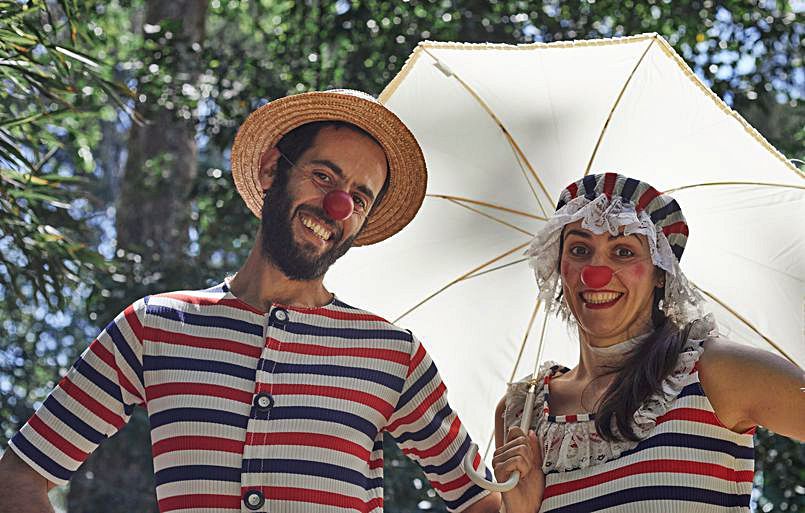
<point x="640" y="375"/>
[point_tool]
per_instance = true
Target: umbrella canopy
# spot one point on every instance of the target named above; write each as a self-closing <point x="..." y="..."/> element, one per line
<point x="504" y="129"/>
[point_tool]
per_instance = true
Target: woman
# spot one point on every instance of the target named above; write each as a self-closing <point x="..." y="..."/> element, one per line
<point x="659" y="413"/>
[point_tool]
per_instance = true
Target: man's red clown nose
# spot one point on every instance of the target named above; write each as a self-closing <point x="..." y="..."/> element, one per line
<point x="596" y="276"/>
<point x="338" y="205"/>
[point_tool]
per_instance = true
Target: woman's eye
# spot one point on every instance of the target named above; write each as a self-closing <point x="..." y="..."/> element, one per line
<point x="578" y="251"/>
<point x="624" y="252"/>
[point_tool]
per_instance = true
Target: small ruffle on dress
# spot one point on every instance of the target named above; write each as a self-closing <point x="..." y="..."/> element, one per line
<point x="570" y="445"/>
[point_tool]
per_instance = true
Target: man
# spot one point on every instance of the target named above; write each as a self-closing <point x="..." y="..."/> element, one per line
<point x="266" y="393"/>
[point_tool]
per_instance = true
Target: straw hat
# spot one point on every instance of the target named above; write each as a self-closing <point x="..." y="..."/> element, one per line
<point x="407" y="178"/>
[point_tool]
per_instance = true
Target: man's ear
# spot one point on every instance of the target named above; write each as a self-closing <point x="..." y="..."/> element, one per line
<point x="268" y="167"/>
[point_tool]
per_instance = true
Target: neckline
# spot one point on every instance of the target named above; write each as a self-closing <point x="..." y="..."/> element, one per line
<point x="558" y="370"/>
<point x="296" y="308"/>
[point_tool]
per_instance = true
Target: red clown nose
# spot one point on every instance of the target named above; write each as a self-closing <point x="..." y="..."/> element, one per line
<point x="596" y="276"/>
<point x="338" y="205"/>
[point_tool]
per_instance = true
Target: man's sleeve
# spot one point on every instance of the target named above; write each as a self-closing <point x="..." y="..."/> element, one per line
<point x="91" y="402"/>
<point x="429" y="432"/>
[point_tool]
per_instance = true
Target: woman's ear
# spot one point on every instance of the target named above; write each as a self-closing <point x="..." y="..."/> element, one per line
<point x="268" y="167"/>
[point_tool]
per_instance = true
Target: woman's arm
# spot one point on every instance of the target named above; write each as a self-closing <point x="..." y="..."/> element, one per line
<point x="749" y="387"/>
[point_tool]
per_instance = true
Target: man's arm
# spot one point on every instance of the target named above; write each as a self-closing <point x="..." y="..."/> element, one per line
<point x="23" y="489"/>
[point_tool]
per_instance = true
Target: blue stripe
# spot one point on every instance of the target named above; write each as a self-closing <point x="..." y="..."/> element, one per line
<point x="451" y="464"/>
<point x="299" y="328"/>
<point x="41" y="459"/>
<point x="694" y="442"/>
<point x="312" y="468"/>
<point x="692" y="389"/>
<point x="428" y="430"/>
<point x="378" y="446"/>
<point x="123" y="347"/>
<point x="420" y="383"/>
<point x="661" y="213"/>
<point x="629" y="188"/>
<point x="98" y="379"/>
<point x="198" y="415"/>
<point x="200" y="472"/>
<point x="677" y="250"/>
<point x="589" y="182"/>
<point x="75" y="423"/>
<point x="209" y="321"/>
<point x="471" y="492"/>
<point x="656" y="493"/>
<point x="324" y="414"/>
<point x="155" y="363"/>
<point x="383" y="378"/>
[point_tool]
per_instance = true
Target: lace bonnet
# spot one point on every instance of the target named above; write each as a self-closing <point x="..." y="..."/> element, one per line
<point x="605" y="203"/>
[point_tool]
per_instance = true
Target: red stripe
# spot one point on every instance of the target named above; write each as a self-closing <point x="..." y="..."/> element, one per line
<point x="134" y="324"/>
<point x="197" y="500"/>
<point x="451" y="485"/>
<point x="416" y="360"/>
<point x="678" y="227"/>
<point x="691" y="415"/>
<point x="439" y="448"/>
<point x="200" y="389"/>
<point x="61" y="443"/>
<point x="336" y="314"/>
<point x="313" y="440"/>
<point x="420" y="410"/>
<point x="347" y="394"/>
<point x="650" y="467"/>
<point x="609" y="183"/>
<point x="197" y="443"/>
<point x="571" y="418"/>
<point x="99" y="350"/>
<point x="281" y="493"/>
<point x="360" y="352"/>
<point x="220" y="344"/>
<point x="91" y="403"/>
<point x="374" y="464"/>
<point x="211" y="301"/>
<point x="573" y="189"/>
<point x="646" y="198"/>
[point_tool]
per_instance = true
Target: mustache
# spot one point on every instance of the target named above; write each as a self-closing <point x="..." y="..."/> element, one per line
<point x="323" y="217"/>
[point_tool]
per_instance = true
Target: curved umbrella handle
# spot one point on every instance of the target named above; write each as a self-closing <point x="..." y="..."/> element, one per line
<point x="514" y="478"/>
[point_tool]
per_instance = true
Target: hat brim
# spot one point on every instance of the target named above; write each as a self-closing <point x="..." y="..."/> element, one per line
<point x="407" y="174"/>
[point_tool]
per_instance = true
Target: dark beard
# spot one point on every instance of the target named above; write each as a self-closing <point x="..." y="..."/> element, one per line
<point x="278" y="245"/>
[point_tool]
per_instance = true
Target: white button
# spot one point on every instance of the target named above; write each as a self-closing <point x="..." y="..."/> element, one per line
<point x="254" y="499"/>
<point x="281" y="315"/>
<point x="263" y="401"/>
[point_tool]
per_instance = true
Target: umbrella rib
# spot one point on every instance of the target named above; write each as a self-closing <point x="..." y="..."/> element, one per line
<point x="617" y="102"/>
<point x="486" y="204"/>
<point x="520" y="356"/>
<point x="498" y="268"/>
<point x="746" y="322"/>
<point x="493" y="218"/>
<point x="518" y="152"/>
<point x="708" y="184"/>
<point x="460" y="278"/>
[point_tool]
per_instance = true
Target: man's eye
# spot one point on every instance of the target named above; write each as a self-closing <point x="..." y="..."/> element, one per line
<point x="359" y="201"/>
<point x="324" y="177"/>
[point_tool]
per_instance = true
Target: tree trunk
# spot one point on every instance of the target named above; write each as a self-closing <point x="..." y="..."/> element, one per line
<point x="153" y="219"/>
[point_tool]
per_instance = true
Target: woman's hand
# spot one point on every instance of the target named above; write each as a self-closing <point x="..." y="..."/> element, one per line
<point x="521" y="452"/>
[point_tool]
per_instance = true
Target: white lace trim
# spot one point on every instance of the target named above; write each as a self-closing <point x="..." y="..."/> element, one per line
<point x="575" y="445"/>
<point x="681" y="303"/>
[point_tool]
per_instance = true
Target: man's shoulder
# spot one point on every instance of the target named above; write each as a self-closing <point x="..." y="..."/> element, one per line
<point x="189" y="300"/>
<point x="352" y="313"/>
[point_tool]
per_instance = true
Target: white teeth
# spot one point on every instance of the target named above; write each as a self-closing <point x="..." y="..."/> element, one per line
<point x="600" y="297"/>
<point x="316" y="228"/>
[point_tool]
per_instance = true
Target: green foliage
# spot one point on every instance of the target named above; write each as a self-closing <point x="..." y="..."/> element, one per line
<point x="780" y="466"/>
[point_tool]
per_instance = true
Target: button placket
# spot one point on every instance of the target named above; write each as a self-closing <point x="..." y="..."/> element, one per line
<point x="254" y="499"/>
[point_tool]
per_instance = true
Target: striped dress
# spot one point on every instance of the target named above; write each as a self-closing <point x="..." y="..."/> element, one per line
<point x="283" y="411"/>
<point x="687" y="462"/>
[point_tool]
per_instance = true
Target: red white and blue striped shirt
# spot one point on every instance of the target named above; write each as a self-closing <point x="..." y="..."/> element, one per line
<point x="281" y="411"/>
<point x="689" y="462"/>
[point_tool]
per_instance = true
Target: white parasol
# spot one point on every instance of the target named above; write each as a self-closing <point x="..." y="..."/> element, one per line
<point x="504" y="129"/>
